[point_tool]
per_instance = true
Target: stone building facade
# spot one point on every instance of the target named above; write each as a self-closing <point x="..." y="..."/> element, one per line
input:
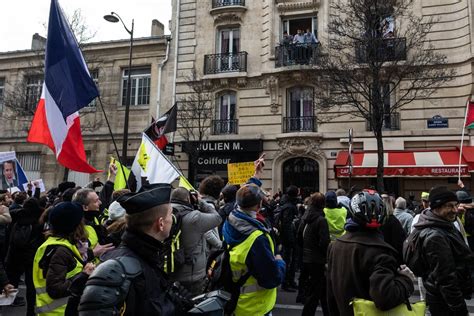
<point x="21" y="78"/>
<point x="261" y="98"/>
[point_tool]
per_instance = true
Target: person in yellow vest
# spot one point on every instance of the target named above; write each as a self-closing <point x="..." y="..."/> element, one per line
<point x="335" y="214"/>
<point x="90" y="202"/>
<point x="60" y="266"/>
<point x="252" y="253"/>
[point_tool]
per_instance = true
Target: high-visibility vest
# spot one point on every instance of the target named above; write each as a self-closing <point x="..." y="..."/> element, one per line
<point x="45" y="305"/>
<point x="91" y="236"/>
<point x="336" y="218"/>
<point x="253" y="299"/>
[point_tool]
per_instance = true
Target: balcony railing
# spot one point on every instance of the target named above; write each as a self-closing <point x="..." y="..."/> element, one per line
<point x="390" y="123"/>
<point x="381" y="50"/>
<point x="300" y="124"/>
<point x="230" y="62"/>
<point x="297" y="54"/>
<point x="225" y="3"/>
<point x="220" y="127"/>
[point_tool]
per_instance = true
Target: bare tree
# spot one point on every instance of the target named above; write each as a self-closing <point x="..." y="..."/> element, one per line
<point x="378" y="59"/>
<point x="195" y="113"/>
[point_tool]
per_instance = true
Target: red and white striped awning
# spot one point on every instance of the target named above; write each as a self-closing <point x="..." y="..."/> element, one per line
<point x="429" y="163"/>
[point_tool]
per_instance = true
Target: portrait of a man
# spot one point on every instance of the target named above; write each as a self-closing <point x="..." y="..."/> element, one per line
<point x="9" y="175"/>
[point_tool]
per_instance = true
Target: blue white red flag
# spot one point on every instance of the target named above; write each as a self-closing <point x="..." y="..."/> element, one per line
<point x="67" y="88"/>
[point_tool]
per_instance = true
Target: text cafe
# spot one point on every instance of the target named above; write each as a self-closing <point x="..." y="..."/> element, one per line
<point x="211" y="157"/>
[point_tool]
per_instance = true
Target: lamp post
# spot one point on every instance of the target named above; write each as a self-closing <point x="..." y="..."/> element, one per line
<point x="114" y="18"/>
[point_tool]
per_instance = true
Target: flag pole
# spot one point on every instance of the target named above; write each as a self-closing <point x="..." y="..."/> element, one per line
<point x="113" y="141"/>
<point x="462" y="136"/>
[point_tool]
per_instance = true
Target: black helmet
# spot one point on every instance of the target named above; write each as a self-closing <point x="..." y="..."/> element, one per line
<point x="368" y="209"/>
<point x="463" y="197"/>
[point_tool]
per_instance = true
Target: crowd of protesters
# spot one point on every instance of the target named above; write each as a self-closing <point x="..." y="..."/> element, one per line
<point x="344" y="246"/>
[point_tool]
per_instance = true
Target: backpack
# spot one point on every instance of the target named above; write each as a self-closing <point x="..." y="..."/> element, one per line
<point x="173" y="253"/>
<point x="412" y="253"/>
<point x="219" y="277"/>
<point x="20" y="235"/>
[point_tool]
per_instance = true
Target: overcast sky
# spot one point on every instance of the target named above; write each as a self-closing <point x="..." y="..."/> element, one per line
<point x="20" y="19"/>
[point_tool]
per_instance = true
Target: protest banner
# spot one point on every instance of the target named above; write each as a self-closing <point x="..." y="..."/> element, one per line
<point x="239" y="172"/>
<point x="39" y="182"/>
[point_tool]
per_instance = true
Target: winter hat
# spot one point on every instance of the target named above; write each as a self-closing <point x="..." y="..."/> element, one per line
<point x="65" y="217"/>
<point x="464" y="197"/>
<point x="441" y="195"/>
<point x="331" y="199"/>
<point x="116" y="211"/>
<point x="401" y="203"/>
<point x="229" y="192"/>
<point x="249" y="195"/>
<point x="425" y="196"/>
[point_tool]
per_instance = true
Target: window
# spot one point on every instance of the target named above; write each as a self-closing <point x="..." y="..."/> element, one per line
<point x="225" y="122"/>
<point x="31" y="164"/>
<point x="34" y="85"/>
<point x="292" y="25"/>
<point x="300" y="110"/>
<point x="2" y="91"/>
<point x="95" y="77"/>
<point x="140" y="92"/>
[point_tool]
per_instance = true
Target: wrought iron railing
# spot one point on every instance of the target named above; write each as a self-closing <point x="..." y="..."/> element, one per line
<point x="230" y="62"/>
<point x="225" y="3"/>
<point x="220" y="127"/>
<point x="300" y="124"/>
<point x="297" y="54"/>
<point x="391" y="122"/>
<point x="381" y="50"/>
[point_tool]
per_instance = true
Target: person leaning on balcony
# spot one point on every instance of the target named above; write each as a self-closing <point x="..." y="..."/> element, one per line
<point x="287" y="39"/>
<point x="299" y="37"/>
<point x="309" y="37"/>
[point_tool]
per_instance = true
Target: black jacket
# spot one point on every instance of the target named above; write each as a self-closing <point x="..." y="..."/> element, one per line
<point x="313" y="236"/>
<point x="148" y="292"/>
<point x="287" y="213"/>
<point x="362" y="265"/>
<point x="446" y="257"/>
<point x="394" y="235"/>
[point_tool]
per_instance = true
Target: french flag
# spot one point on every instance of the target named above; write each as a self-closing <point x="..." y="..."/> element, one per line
<point x="67" y="88"/>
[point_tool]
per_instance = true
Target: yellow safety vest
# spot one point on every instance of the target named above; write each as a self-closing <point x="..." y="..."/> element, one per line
<point x="91" y="236"/>
<point x="45" y="305"/>
<point x="253" y="299"/>
<point x="336" y="218"/>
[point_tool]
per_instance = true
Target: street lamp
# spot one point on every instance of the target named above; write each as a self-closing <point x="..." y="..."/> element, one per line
<point x="114" y="18"/>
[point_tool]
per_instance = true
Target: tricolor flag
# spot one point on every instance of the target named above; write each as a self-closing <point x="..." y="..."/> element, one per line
<point x="165" y="124"/>
<point x="470" y="115"/>
<point x="67" y="88"/>
<point x="151" y="165"/>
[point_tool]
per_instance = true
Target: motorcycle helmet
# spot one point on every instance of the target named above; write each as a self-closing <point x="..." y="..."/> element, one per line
<point x="368" y="209"/>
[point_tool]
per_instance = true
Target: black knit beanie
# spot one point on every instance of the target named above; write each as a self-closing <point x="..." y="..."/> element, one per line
<point x="441" y="195"/>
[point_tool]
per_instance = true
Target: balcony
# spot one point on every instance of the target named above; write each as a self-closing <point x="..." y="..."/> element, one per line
<point x="226" y="3"/>
<point x="381" y="50"/>
<point x="223" y="63"/>
<point x="297" y="54"/>
<point x="390" y="123"/>
<point x="222" y="127"/>
<point x="299" y="124"/>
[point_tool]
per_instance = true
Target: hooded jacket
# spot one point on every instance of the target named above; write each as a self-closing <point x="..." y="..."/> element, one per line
<point x="261" y="263"/>
<point x="194" y="226"/>
<point x="446" y="257"/>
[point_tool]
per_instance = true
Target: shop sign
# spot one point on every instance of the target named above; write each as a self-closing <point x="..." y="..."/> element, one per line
<point x="404" y="172"/>
<point x="240" y="172"/>
<point x="212" y="161"/>
<point x="169" y="149"/>
<point x="437" y="121"/>
<point x="224" y="146"/>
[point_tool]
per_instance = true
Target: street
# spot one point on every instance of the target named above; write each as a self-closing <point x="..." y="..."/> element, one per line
<point x="285" y="305"/>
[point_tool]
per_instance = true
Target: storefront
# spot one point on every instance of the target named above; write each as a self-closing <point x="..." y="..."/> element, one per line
<point x="211" y="157"/>
<point x="406" y="172"/>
